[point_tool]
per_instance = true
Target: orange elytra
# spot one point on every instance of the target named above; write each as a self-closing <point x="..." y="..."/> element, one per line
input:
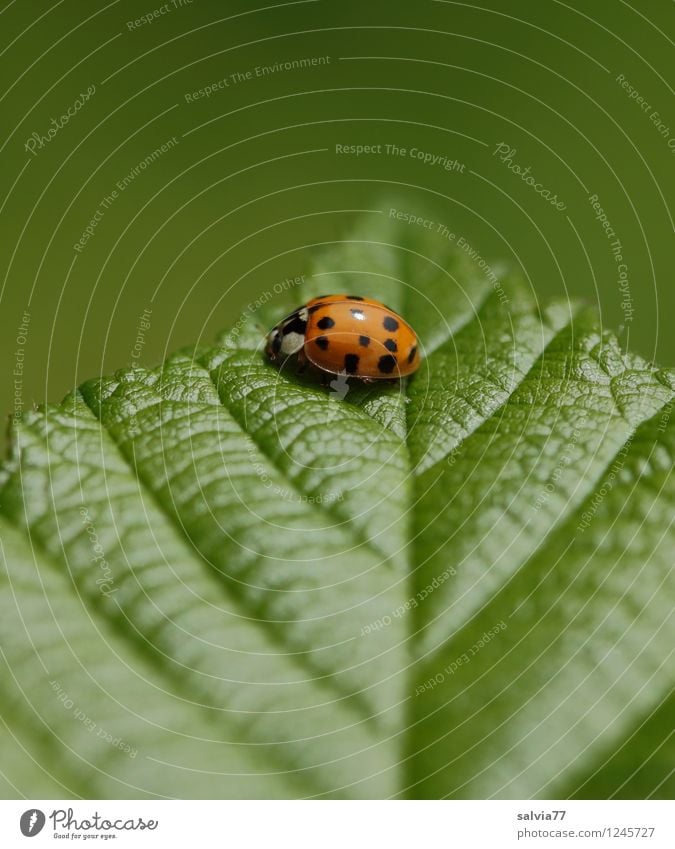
<point x="347" y="334"/>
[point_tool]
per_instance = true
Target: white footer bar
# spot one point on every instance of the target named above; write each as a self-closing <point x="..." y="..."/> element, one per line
<point x="338" y="824"/>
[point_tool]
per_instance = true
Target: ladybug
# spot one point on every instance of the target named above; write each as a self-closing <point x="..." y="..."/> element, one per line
<point x="347" y="334"/>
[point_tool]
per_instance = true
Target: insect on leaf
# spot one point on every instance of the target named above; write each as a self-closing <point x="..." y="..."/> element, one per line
<point x="222" y="579"/>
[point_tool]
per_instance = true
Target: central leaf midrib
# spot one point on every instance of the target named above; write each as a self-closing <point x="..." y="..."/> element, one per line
<point x="495" y="413"/>
<point x="409" y="480"/>
<point x="409" y="757"/>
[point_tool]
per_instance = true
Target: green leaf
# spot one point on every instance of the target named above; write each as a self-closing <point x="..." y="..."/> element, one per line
<point x="222" y="579"/>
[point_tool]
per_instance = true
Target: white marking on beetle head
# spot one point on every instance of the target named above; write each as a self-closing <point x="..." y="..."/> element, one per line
<point x="291" y="343"/>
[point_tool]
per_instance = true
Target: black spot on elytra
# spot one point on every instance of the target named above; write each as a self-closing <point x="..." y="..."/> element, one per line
<point x="325" y="323"/>
<point x="386" y="364"/>
<point x="294" y="325"/>
<point x="390" y="323"/>
<point x="314" y="308"/>
<point x="391" y="345"/>
<point x="364" y="341"/>
<point x="351" y="363"/>
<point x="357" y="313"/>
<point x="354" y="298"/>
<point x="321" y="342"/>
<point x="411" y="355"/>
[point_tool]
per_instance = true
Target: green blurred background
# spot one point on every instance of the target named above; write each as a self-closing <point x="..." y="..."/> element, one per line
<point x="252" y="180"/>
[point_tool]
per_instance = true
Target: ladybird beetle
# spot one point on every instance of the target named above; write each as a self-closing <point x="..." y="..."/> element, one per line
<point x="347" y="334"/>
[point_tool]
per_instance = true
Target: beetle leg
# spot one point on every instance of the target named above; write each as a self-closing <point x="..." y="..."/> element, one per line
<point x="301" y="362"/>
